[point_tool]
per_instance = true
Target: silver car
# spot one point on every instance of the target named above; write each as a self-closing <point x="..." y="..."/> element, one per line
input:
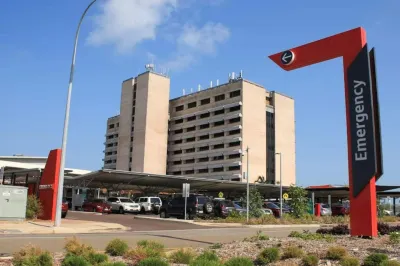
<point x="326" y="210"/>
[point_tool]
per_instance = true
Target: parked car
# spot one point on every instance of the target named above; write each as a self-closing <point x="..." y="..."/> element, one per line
<point x="326" y="210"/>
<point x="340" y="209"/>
<point x="64" y="208"/>
<point x="149" y="204"/>
<point x="96" y="205"/>
<point x="222" y="208"/>
<point x="275" y="208"/>
<point x="122" y="205"/>
<point x="197" y="206"/>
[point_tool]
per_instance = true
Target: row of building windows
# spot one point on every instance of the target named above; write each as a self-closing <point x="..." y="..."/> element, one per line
<point x="207" y="147"/>
<point x="208" y="125"/>
<point x="205" y="115"/>
<point x="111" y="126"/>
<point x="207" y="136"/>
<point x="111" y="153"/>
<point x="110" y="161"/>
<point x="207" y="159"/>
<point x="112" y="136"/>
<point x="109" y="145"/>
<point x="205" y="101"/>
<point x="207" y="170"/>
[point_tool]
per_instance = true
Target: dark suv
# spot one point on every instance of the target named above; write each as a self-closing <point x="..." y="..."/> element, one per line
<point x="197" y="205"/>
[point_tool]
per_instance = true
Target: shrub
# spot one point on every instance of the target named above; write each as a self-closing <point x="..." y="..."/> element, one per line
<point x="268" y="255"/>
<point x="310" y="260"/>
<point x="208" y="255"/>
<point x="117" y="263"/>
<point x="311" y="236"/>
<point x="182" y="256"/>
<point x="255" y="203"/>
<point x="97" y="258"/>
<point x="375" y="259"/>
<point x="140" y="253"/>
<point x="299" y="202"/>
<point x="292" y="252"/>
<point x="239" y="261"/>
<point x="117" y="247"/>
<point x="153" y="262"/>
<point x="394" y="238"/>
<point x="341" y="229"/>
<point x="73" y="260"/>
<point x="32" y="256"/>
<point x="336" y="253"/>
<point x="383" y="228"/>
<point x="34" y="207"/>
<point x="349" y="261"/>
<point x="216" y="246"/>
<point x="205" y="262"/>
<point x="390" y="263"/>
<point x="151" y="245"/>
<point x="74" y="247"/>
<point x="259" y="236"/>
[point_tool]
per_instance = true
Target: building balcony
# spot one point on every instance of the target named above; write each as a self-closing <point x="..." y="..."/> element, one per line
<point x="209" y="153"/>
<point x="201" y="132"/>
<point x="201" y="165"/>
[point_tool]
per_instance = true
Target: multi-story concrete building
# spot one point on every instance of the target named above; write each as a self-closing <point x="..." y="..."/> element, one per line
<point x="203" y="134"/>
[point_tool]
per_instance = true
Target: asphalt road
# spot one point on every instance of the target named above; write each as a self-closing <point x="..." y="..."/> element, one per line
<point x="170" y="238"/>
<point x="129" y="220"/>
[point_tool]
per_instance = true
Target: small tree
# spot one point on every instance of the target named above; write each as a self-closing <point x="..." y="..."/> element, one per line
<point x="255" y="203"/>
<point x="34" y="207"/>
<point x="299" y="202"/>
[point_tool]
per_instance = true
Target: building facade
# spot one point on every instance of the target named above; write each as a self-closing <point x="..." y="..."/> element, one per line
<point x="203" y="134"/>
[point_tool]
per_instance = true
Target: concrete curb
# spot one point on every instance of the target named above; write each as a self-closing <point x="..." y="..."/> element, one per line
<point x="164" y="219"/>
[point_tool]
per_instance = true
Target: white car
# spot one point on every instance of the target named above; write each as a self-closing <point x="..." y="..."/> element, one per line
<point x="122" y="205"/>
<point x="149" y="204"/>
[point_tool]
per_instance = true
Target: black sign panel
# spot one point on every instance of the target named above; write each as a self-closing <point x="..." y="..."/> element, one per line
<point x="287" y="57"/>
<point x="360" y="102"/>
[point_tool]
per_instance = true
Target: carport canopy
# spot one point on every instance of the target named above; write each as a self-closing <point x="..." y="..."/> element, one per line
<point x="128" y="180"/>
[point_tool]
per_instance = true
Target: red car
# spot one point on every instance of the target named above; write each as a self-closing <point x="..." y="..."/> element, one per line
<point x="96" y="205"/>
<point x="64" y="208"/>
<point x="275" y="208"/>
<point x="341" y="209"/>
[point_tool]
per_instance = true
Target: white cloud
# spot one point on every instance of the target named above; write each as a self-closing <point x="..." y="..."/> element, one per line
<point x="179" y="62"/>
<point x="125" y="23"/>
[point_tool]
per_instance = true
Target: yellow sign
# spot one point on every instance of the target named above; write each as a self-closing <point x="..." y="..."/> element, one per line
<point x="285" y="196"/>
<point x="220" y="195"/>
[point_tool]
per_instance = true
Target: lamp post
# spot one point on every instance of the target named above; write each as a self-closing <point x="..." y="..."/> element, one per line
<point x="247" y="187"/>
<point x="280" y="182"/>
<point x="57" y="221"/>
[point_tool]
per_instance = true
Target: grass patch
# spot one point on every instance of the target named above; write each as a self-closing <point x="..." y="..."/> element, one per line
<point x="292" y="252"/>
<point x="390" y="263"/>
<point x="73" y="260"/>
<point x="239" y="261"/>
<point x="310" y="260"/>
<point x="75" y="247"/>
<point x="394" y="238"/>
<point x="349" y="261"/>
<point x="182" y="256"/>
<point x="153" y="262"/>
<point x="388" y="219"/>
<point x="117" y="247"/>
<point x="268" y="255"/>
<point x="260" y="236"/>
<point x="32" y="256"/>
<point x="311" y="236"/>
<point x="375" y="259"/>
<point x="336" y="253"/>
<point x="216" y="246"/>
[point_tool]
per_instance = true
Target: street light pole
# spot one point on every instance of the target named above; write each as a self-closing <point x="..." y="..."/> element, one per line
<point x="280" y="182"/>
<point x="57" y="221"/>
<point x="247" y="177"/>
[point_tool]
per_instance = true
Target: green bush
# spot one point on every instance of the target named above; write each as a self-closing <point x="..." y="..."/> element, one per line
<point x="118" y="263"/>
<point x="375" y="259"/>
<point x="299" y="202"/>
<point x="390" y="263"/>
<point x="394" y="238"/>
<point x="310" y="260"/>
<point x="208" y="255"/>
<point x="151" y="245"/>
<point x="255" y="203"/>
<point x="117" y="247"/>
<point x="182" y="256"/>
<point x="97" y="258"/>
<point x="292" y="252"/>
<point x="311" y="236"/>
<point x="32" y="256"/>
<point x="74" y="247"/>
<point x="73" y="260"/>
<point x="34" y="207"/>
<point x="239" y="261"/>
<point x="268" y="255"/>
<point x="349" y="261"/>
<point x="205" y="262"/>
<point x="153" y="262"/>
<point x="336" y="253"/>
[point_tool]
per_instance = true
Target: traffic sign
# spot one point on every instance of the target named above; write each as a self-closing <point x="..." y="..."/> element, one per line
<point x="285" y="196"/>
<point x="287" y="57"/>
<point x="185" y="190"/>
<point x="220" y="195"/>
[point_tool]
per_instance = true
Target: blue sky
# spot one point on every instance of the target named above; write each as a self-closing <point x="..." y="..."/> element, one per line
<point x="198" y="41"/>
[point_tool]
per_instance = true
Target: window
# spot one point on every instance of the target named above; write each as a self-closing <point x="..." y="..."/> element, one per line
<point x="178" y="152"/>
<point x="130" y="149"/>
<point x="109" y="145"/>
<point x="190" y="150"/>
<point x="190" y="139"/>
<point x="178" y="131"/>
<point x="134" y="103"/>
<point x="133" y="129"/>
<point x="189" y="172"/>
<point x="218" y="135"/>
<point x="192" y="105"/>
<point x="110" y="137"/>
<point x="234" y="168"/>
<point x="117" y="124"/>
<point x="179" y="121"/>
<point x="218" y="146"/>
<point x="205" y="101"/>
<point x="109" y="153"/>
<point x="204" y="126"/>
<point x="218" y="158"/>
<point x="111" y="126"/>
<point x="190" y="129"/>
<point x="218" y="169"/>
<point x="189" y="161"/>
<point x="233" y="144"/>
<point x="134" y="95"/>
<point x="234" y="120"/>
<point x="233" y="94"/>
<point x="204" y="159"/>
<point x="204" y="137"/>
<point x="130" y="159"/>
<point x="219" y="123"/>
<point x="219" y="97"/>
<point x="235" y="108"/>
<point x="233" y="156"/>
<point x="179" y="141"/>
<point x="204" y="148"/>
<point x="133" y="119"/>
<point x="219" y="112"/>
<point x="205" y="115"/>
<point x="176" y="173"/>
<point x="191" y="118"/>
<point x="133" y="111"/>
<point x="177" y="162"/>
<point x="179" y="108"/>
<point x="131" y="138"/>
<point x="155" y="200"/>
<point x="130" y="169"/>
<point x="203" y="171"/>
<point x="234" y="132"/>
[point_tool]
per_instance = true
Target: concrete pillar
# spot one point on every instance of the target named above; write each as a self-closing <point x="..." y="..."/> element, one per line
<point x="313" y="202"/>
<point x="394" y="206"/>
<point x="330" y="200"/>
<point x="98" y="193"/>
<point x="73" y="198"/>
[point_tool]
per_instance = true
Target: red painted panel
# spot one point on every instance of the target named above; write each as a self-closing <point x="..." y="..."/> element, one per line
<point x="48" y="187"/>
